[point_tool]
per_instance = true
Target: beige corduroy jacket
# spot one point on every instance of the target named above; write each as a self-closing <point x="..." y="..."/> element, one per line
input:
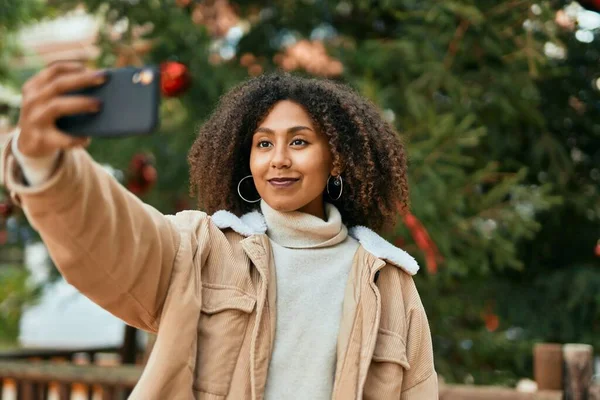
<point x="206" y="285"/>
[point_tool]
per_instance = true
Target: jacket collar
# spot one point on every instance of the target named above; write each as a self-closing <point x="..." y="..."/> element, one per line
<point x="253" y="223"/>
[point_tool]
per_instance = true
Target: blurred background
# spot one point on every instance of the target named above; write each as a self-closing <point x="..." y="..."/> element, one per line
<point x="498" y="103"/>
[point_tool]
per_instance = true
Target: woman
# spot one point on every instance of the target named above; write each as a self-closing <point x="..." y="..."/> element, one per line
<point x="282" y="289"/>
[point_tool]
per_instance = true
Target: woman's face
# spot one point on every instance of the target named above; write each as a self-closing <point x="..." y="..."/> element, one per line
<point x="290" y="160"/>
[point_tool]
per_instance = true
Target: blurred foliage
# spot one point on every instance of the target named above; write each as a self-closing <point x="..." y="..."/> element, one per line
<point x="504" y="146"/>
<point x="14" y="15"/>
<point x="15" y="294"/>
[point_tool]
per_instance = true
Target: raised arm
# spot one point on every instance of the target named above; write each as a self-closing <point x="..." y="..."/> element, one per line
<point x="116" y="250"/>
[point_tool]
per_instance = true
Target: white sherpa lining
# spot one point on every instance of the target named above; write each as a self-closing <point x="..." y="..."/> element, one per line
<point x="254" y="223"/>
<point x="381" y="248"/>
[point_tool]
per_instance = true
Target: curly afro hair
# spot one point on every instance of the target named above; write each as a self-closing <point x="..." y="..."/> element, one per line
<point x="364" y="147"/>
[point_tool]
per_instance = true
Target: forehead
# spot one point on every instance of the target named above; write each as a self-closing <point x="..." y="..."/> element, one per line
<point x="285" y="114"/>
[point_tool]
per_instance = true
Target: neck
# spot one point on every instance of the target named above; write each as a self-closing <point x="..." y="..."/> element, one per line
<point x="315" y="208"/>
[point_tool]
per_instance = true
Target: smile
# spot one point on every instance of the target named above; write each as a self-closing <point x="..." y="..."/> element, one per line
<point x="283" y="182"/>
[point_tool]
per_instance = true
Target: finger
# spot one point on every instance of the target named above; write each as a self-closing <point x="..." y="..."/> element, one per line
<point x="33" y="85"/>
<point x="59" y="140"/>
<point x="70" y="82"/>
<point x="69" y="105"/>
<point x="58" y="68"/>
<point x="72" y="60"/>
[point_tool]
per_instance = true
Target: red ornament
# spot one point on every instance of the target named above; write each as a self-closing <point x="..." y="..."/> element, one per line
<point x="6" y="209"/>
<point x="137" y="162"/>
<point x="492" y="322"/>
<point x="175" y="78"/>
<point x="424" y="242"/>
<point x="490" y="318"/>
<point x="597" y="251"/>
<point x="142" y="174"/>
<point x="149" y="174"/>
<point x="592" y="5"/>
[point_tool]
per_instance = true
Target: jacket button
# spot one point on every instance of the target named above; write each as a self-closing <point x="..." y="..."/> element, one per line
<point x="376" y="277"/>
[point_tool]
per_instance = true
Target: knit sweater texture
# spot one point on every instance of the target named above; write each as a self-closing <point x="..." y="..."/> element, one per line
<point x="312" y="260"/>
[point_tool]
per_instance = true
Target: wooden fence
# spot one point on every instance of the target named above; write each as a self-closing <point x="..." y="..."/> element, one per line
<point x="37" y="375"/>
<point x="465" y="392"/>
<point x="66" y="374"/>
<point x="44" y="380"/>
<point x="65" y="355"/>
<point x="23" y="380"/>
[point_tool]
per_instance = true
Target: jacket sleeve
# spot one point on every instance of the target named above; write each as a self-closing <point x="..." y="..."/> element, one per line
<point x="116" y="250"/>
<point x="420" y="381"/>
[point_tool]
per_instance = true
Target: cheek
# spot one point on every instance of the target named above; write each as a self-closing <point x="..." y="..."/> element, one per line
<point x="252" y="165"/>
<point x="325" y="163"/>
<point x="320" y="171"/>
<point x="257" y="165"/>
<point x="317" y="167"/>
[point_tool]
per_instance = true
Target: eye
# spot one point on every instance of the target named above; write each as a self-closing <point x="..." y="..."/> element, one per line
<point x="299" y="142"/>
<point x="263" y="144"/>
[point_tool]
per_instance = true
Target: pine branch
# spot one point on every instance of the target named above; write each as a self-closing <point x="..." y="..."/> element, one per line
<point x="459" y="33"/>
<point x="506" y="7"/>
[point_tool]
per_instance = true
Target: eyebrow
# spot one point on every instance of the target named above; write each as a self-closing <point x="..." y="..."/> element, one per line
<point x="291" y="130"/>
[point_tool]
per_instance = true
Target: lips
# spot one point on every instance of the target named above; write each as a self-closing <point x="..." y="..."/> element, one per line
<point x="283" y="182"/>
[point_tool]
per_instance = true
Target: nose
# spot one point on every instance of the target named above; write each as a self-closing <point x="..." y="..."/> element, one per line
<point x="281" y="158"/>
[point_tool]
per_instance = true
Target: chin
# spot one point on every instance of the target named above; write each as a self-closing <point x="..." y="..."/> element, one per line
<point x="283" y="204"/>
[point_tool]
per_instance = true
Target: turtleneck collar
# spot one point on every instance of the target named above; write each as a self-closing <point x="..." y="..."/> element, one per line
<point x="298" y="230"/>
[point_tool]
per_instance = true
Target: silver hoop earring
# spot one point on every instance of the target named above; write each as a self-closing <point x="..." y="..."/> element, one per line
<point x="338" y="182"/>
<point x="240" y="192"/>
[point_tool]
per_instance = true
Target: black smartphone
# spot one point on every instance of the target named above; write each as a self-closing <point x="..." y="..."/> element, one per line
<point x="130" y="105"/>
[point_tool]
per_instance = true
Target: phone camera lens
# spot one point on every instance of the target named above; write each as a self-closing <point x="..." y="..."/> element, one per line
<point x="145" y="77"/>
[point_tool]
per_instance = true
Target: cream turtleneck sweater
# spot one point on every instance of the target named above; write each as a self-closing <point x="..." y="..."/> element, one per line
<point x="312" y="260"/>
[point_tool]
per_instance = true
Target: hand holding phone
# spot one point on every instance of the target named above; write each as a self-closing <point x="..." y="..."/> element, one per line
<point x="65" y="104"/>
<point x="43" y="102"/>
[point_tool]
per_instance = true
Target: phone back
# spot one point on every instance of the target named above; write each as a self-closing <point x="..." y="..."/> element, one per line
<point x="130" y="105"/>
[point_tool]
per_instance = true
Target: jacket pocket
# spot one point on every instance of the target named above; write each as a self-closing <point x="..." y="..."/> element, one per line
<point x="386" y="372"/>
<point x="226" y="311"/>
<point x="390" y="347"/>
